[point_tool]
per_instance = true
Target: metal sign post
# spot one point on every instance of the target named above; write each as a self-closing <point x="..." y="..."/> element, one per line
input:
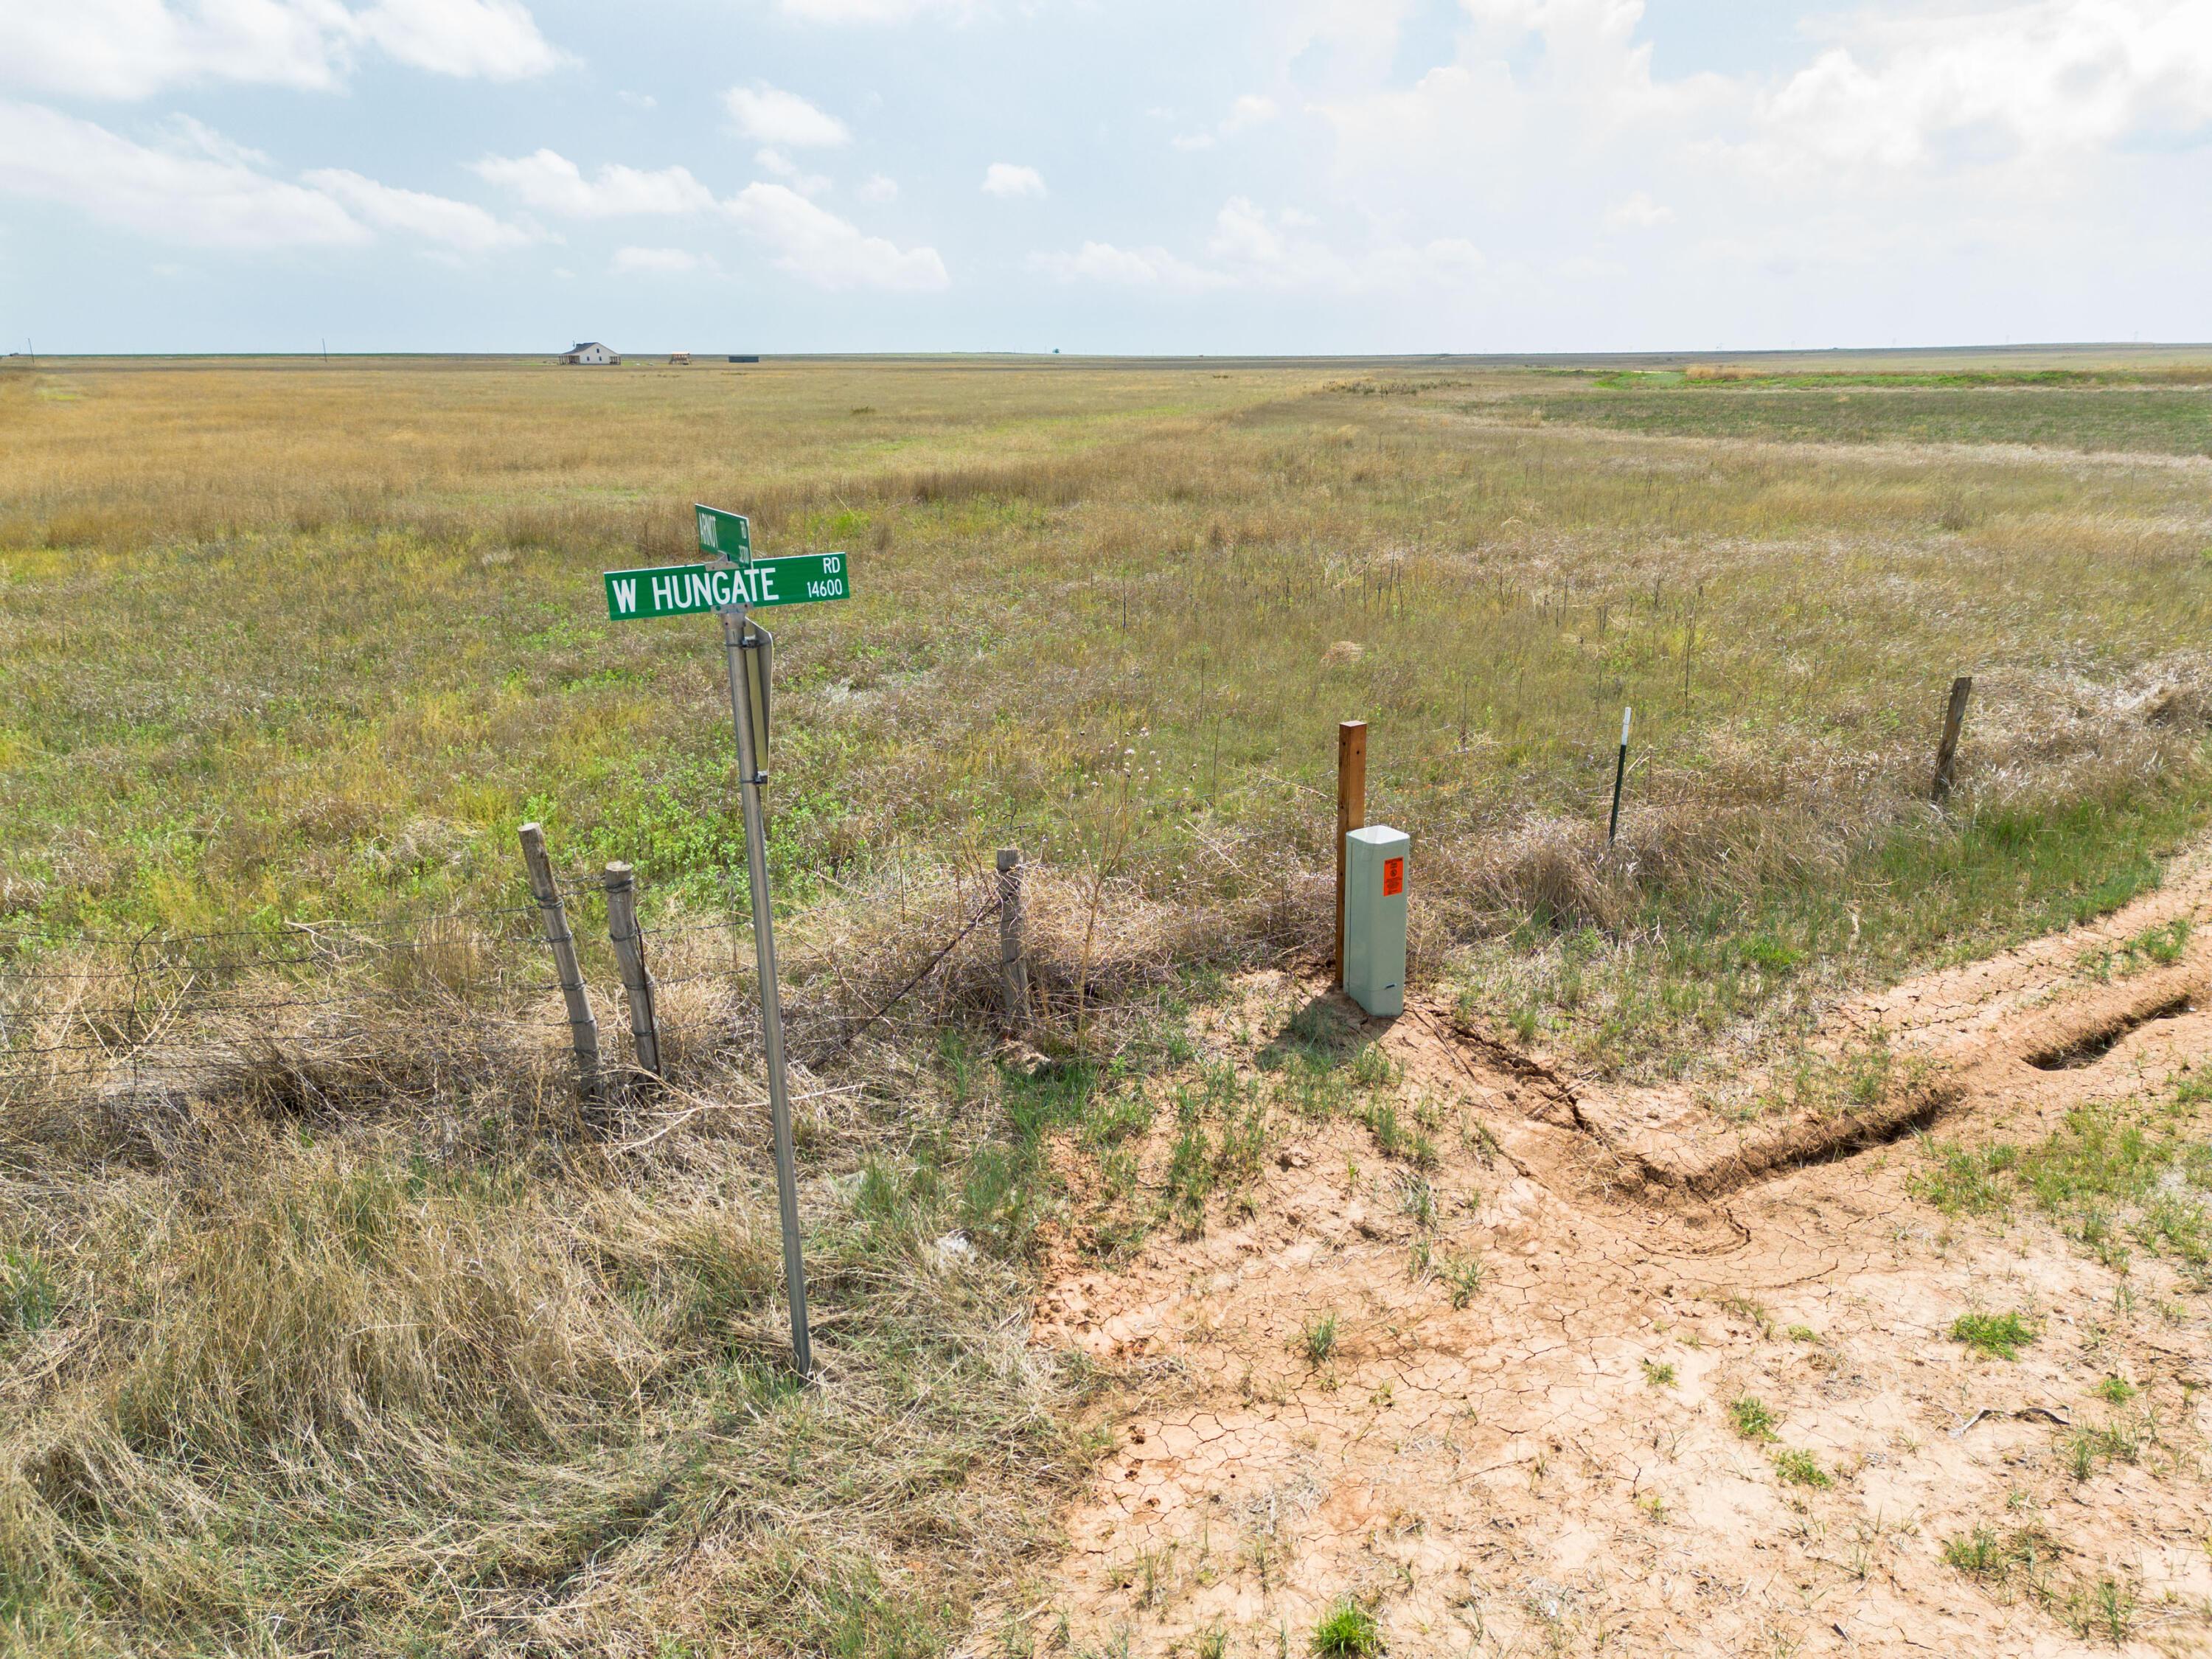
<point x="731" y="588"/>
<point x="1619" y="776"/>
<point x="746" y="647"/>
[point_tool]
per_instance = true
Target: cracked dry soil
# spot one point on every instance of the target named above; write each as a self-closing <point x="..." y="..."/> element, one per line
<point x="1555" y="1465"/>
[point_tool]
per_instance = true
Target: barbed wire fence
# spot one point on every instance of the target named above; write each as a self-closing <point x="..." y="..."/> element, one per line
<point x="335" y="1012"/>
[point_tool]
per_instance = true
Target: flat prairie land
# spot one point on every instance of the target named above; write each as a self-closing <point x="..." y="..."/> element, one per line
<point x="329" y="1321"/>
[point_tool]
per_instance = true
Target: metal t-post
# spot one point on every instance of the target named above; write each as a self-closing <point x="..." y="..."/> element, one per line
<point x="1619" y="776"/>
<point x="736" y="641"/>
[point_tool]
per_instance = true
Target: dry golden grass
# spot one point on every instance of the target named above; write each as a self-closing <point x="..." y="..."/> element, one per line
<point x="330" y="1321"/>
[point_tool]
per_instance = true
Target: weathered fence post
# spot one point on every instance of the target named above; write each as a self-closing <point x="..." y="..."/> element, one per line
<point x="1350" y="810"/>
<point x="1947" y="751"/>
<point x="621" y="883"/>
<point x="1013" y="952"/>
<point x="583" y="1030"/>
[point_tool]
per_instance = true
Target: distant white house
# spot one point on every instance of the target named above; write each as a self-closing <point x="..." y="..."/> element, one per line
<point x="676" y="357"/>
<point x="590" y="351"/>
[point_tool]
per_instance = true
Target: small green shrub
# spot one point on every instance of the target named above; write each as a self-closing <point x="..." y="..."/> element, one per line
<point x="1659" y="1374"/>
<point x="1347" y="1630"/>
<point x="1317" y="1341"/>
<point x="1801" y="1468"/>
<point x="1979" y="1555"/>
<point x="1462" y="1276"/>
<point x="2000" y="1335"/>
<point x="1751" y="1418"/>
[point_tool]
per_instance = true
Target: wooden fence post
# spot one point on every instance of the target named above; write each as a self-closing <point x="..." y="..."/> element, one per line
<point x="583" y="1030"/>
<point x="1013" y="944"/>
<point x="1350" y="810"/>
<point x="1947" y="751"/>
<point x="621" y="884"/>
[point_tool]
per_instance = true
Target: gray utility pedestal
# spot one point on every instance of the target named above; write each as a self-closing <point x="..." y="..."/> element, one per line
<point x="1375" y="918"/>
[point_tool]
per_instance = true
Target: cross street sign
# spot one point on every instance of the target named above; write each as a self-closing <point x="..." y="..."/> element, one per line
<point x="683" y="590"/>
<point x="725" y="535"/>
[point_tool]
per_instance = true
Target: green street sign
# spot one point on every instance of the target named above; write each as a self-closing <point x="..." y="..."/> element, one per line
<point x="725" y="535"/>
<point x="684" y="590"/>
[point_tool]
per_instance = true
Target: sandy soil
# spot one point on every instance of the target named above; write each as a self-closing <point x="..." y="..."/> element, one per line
<point x="1515" y="1475"/>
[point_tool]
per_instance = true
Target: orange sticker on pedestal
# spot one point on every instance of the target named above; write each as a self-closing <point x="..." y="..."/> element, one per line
<point x="1394" y="877"/>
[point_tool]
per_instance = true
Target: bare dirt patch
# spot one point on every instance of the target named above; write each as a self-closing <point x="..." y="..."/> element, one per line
<point x="1619" y="1371"/>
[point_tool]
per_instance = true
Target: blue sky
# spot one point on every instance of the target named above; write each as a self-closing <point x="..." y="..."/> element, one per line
<point x="1212" y="175"/>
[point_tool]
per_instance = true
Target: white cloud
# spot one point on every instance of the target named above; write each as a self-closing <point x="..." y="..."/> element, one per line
<point x="1127" y="267"/>
<point x="1251" y="249"/>
<point x="1250" y="111"/>
<point x="495" y="40"/>
<point x="656" y="261"/>
<point x="49" y="156"/>
<point x="773" y="116"/>
<point x="462" y="226"/>
<point x="1004" y="179"/>
<point x="770" y="159"/>
<point x="1638" y="211"/>
<point x="197" y="135"/>
<point x="551" y="181"/>
<point x="134" y="48"/>
<point x="2055" y="78"/>
<point x="872" y="11"/>
<point x="810" y="242"/>
<point x="879" y="188"/>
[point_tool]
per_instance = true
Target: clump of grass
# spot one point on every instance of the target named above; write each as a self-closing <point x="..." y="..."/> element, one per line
<point x="1396" y="1140"/>
<point x="1317" y="1337"/>
<point x="2106" y="1610"/>
<point x="1347" y="1630"/>
<point x="1462" y="1276"/>
<point x="27" y="1298"/>
<point x="1802" y="1333"/>
<point x="2109" y="1174"/>
<point x="1659" y="1373"/>
<point x="1994" y="1558"/>
<point x="2112" y="1441"/>
<point x="1417" y="1202"/>
<point x="2154" y="947"/>
<point x="1802" y="1469"/>
<point x="1752" y="1312"/>
<point x="1191" y="1172"/>
<point x="1750" y="1417"/>
<point x="2001" y="1336"/>
<point x="2117" y="1390"/>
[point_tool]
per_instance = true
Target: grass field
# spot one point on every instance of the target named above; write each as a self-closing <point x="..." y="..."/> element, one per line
<point x="280" y="641"/>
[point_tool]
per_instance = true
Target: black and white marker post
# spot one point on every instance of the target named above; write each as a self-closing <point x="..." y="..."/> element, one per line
<point x="731" y="585"/>
<point x="1619" y="776"/>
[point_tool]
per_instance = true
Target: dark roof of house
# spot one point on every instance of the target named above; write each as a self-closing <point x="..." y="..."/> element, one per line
<point x="584" y="345"/>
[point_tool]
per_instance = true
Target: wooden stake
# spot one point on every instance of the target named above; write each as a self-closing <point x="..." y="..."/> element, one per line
<point x="623" y="931"/>
<point x="1947" y="751"/>
<point x="583" y="1030"/>
<point x="1350" y="810"/>
<point x="1013" y="956"/>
